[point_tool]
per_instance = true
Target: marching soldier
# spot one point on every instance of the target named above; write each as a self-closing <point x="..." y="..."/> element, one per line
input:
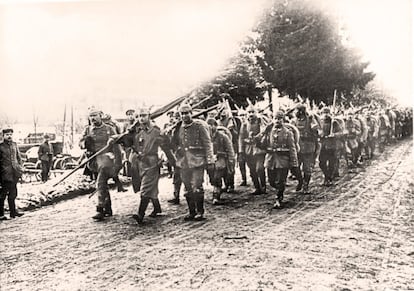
<point x="309" y="129"/>
<point x="353" y="134"/>
<point x="224" y="158"/>
<point x="145" y="141"/>
<point x="107" y="119"/>
<point x="281" y="154"/>
<point x="95" y="137"/>
<point x="194" y="154"/>
<point x="372" y="124"/>
<point x="176" y="172"/>
<point x="227" y="121"/>
<point x="248" y="150"/>
<point x="331" y="132"/>
<point x="130" y="114"/>
<point x="241" y="116"/>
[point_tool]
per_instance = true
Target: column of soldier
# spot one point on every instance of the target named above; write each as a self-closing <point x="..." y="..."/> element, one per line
<point x="271" y="145"/>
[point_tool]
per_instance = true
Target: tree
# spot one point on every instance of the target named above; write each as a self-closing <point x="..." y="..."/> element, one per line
<point x="303" y="53"/>
<point x="240" y="79"/>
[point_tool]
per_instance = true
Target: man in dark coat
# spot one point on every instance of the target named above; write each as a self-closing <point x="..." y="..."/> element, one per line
<point x="194" y="154"/>
<point x="45" y="154"/>
<point x="11" y="170"/>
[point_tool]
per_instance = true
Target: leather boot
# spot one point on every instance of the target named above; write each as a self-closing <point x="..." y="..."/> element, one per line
<point x="216" y="195"/>
<point x="108" y="208"/>
<point x="306" y="184"/>
<point x="1" y="207"/>
<point x="100" y="214"/>
<point x="141" y="210"/>
<point x="157" y="208"/>
<point x="200" y="206"/>
<point x="191" y="207"/>
<point x="256" y="186"/>
<point x="12" y="207"/>
<point x="176" y="199"/>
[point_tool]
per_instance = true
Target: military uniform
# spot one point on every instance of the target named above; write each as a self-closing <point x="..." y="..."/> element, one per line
<point x="353" y="133"/>
<point x="308" y="143"/>
<point x="224" y="158"/>
<point x="227" y="122"/>
<point x="329" y="155"/>
<point x="103" y="164"/>
<point x="281" y="155"/>
<point x="145" y="143"/>
<point x="11" y="170"/>
<point x="253" y="155"/>
<point x="194" y="153"/>
<point x="372" y="136"/>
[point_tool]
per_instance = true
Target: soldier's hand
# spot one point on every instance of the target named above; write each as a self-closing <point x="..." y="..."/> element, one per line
<point x="210" y="169"/>
<point x="331" y="135"/>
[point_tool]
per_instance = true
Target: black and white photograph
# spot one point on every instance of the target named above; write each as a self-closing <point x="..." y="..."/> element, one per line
<point x="206" y="145"/>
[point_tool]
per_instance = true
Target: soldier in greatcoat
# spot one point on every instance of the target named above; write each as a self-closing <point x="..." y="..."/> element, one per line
<point x="224" y="158"/>
<point x="95" y="137"/>
<point x="281" y="154"/>
<point x="194" y="153"/>
<point x="329" y="155"/>
<point x="145" y="140"/>
<point x="373" y="128"/>
<point x="253" y="155"/>
<point x="353" y="132"/>
<point x="227" y="121"/>
<point x="309" y="129"/>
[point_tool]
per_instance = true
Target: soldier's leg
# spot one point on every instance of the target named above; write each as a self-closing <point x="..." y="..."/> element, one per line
<point x="242" y="167"/>
<point x="261" y="172"/>
<point x="307" y="171"/>
<point x="102" y="192"/>
<point x="198" y="191"/>
<point x="108" y="207"/>
<point x="323" y="163"/>
<point x="229" y="180"/>
<point x="332" y="162"/>
<point x="186" y="175"/>
<point x="3" y="194"/>
<point x="217" y="183"/>
<point x="157" y="207"/>
<point x="143" y="204"/>
<point x="281" y="176"/>
<point x="11" y="199"/>
<point x="177" y="186"/>
<point x="44" y="172"/>
<point x="251" y="163"/>
<point x="271" y="176"/>
<point x="298" y="173"/>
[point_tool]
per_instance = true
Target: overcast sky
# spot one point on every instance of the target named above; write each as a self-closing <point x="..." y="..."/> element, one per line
<point x="122" y="53"/>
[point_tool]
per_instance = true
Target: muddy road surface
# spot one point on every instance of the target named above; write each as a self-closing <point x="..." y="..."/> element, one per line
<point x="356" y="235"/>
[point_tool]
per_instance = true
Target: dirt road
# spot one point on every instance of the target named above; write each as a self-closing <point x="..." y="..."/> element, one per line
<point x="357" y="235"/>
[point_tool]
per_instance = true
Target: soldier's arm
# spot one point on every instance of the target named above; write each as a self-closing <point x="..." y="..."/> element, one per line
<point x="207" y="144"/>
<point x="293" y="154"/>
<point x="241" y="138"/>
<point x="228" y="147"/>
<point x="85" y="133"/>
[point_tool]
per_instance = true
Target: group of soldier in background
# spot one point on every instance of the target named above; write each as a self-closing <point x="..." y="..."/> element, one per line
<point x="270" y="145"/>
